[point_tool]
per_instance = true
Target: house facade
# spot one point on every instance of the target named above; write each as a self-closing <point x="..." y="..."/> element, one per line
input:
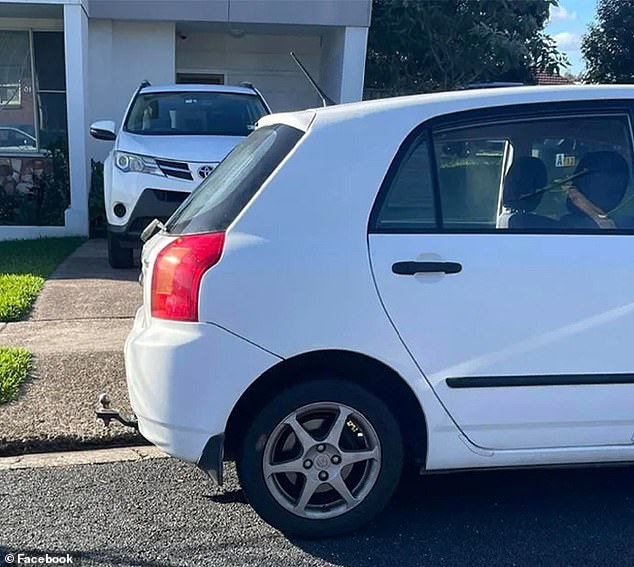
<point x="67" y="63"/>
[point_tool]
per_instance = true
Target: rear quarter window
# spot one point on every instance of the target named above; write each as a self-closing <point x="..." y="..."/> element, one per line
<point x="218" y="200"/>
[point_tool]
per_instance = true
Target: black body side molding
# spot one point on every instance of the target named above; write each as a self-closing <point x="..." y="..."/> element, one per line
<point x="540" y="380"/>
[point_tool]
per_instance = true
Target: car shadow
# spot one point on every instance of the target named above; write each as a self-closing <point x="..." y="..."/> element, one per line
<point x="90" y="261"/>
<point x="537" y="517"/>
<point x="228" y="497"/>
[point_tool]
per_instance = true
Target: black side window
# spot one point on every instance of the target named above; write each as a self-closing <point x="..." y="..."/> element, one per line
<point x="409" y="194"/>
<point x="553" y="172"/>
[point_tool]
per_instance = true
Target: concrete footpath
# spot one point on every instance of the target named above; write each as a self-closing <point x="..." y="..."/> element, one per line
<point x="76" y="333"/>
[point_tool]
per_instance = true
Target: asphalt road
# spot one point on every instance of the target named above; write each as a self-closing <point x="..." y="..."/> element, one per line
<point x="164" y="513"/>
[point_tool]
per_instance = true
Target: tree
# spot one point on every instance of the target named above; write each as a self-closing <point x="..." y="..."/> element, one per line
<point x="608" y="47"/>
<point x="431" y="45"/>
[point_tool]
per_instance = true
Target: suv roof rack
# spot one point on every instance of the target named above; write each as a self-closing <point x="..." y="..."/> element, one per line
<point x="250" y="85"/>
<point x="144" y="83"/>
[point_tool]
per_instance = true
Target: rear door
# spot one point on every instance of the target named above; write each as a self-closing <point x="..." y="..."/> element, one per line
<point x="525" y="333"/>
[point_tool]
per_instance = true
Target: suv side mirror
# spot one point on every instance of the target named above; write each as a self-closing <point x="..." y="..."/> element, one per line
<point x="103" y="130"/>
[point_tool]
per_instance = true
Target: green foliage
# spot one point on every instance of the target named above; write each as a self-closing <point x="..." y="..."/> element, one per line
<point x="14" y="368"/>
<point x="49" y="198"/>
<point x="487" y="161"/>
<point x="608" y="47"/>
<point x="431" y="45"/>
<point x="24" y="265"/>
<point x="54" y="190"/>
<point x="96" y="200"/>
<point x="17" y="294"/>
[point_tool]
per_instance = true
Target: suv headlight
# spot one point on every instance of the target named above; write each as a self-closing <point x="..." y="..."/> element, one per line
<point x="138" y="164"/>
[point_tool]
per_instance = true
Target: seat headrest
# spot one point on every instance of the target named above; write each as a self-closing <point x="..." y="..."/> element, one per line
<point x="525" y="176"/>
<point x="603" y="177"/>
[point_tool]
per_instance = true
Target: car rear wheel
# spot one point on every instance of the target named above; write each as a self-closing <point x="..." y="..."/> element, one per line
<point x="118" y="256"/>
<point x="321" y="459"/>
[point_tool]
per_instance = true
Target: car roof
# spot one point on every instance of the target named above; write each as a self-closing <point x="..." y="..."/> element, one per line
<point x="480" y="98"/>
<point x="198" y="88"/>
<point x="417" y="108"/>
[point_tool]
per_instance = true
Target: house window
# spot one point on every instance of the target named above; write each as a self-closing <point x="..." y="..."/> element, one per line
<point x="34" y="185"/>
<point x="17" y="108"/>
<point x="200" y="78"/>
<point x="32" y="91"/>
<point x="50" y="87"/>
<point x="11" y="95"/>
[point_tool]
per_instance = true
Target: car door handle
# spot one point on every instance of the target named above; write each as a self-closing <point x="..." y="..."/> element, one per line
<point x="412" y="268"/>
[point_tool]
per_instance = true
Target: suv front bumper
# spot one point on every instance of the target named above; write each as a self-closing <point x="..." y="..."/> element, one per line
<point x="152" y="204"/>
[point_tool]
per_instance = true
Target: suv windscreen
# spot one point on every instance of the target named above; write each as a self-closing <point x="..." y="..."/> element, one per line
<point x="194" y="113"/>
<point x="218" y="200"/>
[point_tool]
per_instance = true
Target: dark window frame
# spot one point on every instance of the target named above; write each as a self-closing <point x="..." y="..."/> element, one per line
<point x="465" y="119"/>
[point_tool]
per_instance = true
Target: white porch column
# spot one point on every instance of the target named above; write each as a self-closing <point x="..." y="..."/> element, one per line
<point x="355" y="43"/>
<point x="343" y="63"/>
<point x="76" y="52"/>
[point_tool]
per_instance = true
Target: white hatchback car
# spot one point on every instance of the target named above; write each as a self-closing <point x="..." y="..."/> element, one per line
<point x="442" y="280"/>
<point x="171" y="138"/>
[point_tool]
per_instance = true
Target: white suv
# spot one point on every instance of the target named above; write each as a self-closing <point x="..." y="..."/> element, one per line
<point x="444" y="281"/>
<point x="172" y="137"/>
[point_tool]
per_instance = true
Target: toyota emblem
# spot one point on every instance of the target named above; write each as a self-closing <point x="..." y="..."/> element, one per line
<point x="205" y="170"/>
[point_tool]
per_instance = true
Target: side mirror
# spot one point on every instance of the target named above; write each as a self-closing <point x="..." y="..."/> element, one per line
<point x="103" y="130"/>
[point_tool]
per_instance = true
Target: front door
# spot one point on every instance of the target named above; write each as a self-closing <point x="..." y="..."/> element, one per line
<point x="514" y="295"/>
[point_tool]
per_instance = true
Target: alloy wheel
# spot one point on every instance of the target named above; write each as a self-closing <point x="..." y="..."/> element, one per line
<point x="321" y="460"/>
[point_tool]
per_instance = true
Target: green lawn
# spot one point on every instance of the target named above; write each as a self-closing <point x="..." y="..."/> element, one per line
<point x="14" y="368"/>
<point x="24" y="265"/>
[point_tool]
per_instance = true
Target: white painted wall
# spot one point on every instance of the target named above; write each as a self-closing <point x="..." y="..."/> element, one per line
<point x="120" y="55"/>
<point x="331" y="62"/>
<point x="355" y="43"/>
<point x="342" y="67"/>
<point x="75" y="47"/>
<point x="261" y="59"/>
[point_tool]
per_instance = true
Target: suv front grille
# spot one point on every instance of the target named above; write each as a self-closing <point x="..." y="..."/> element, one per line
<point x="139" y="224"/>
<point x="170" y="196"/>
<point x="176" y="169"/>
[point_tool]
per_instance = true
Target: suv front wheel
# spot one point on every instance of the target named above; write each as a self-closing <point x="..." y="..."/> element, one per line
<point x="119" y="256"/>
<point x="321" y="459"/>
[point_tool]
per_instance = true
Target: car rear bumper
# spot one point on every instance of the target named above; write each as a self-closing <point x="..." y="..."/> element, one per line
<point x="184" y="380"/>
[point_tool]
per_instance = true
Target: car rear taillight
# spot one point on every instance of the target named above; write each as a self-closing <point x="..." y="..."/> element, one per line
<point x="177" y="272"/>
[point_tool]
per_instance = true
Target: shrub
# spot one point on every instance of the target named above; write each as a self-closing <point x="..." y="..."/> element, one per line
<point x="29" y="199"/>
<point x="14" y="368"/>
<point x="96" y="200"/>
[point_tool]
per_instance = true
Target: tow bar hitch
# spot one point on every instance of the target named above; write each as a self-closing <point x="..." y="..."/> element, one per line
<point x="107" y="414"/>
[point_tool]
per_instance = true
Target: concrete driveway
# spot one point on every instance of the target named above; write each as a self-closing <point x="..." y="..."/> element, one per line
<point x="76" y="332"/>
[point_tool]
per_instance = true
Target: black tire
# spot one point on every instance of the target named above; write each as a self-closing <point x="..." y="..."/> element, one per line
<point x="119" y="257"/>
<point x="250" y="462"/>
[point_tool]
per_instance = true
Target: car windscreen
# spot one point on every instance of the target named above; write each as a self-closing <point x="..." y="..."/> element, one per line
<point x="194" y="113"/>
<point x="218" y="200"/>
